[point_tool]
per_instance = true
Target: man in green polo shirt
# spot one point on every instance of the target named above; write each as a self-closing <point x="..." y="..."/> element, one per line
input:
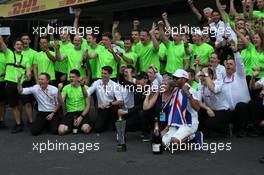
<point x="16" y="64"/>
<point x="129" y="57"/>
<point x="3" y="50"/>
<point x="77" y="105"/>
<point x="162" y="51"/>
<point x="28" y="53"/>
<point x="95" y="56"/>
<point x="61" y="67"/>
<point x="75" y="58"/>
<point x="110" y="57"/>
<point x="200" y="51"/>
<point x="148" y="50"/>
<point x="176" y="56"/>
<point x="44" y="60"/>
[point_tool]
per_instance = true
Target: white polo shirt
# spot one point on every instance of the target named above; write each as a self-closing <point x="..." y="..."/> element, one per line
<point x="214" y="99"/>
<point x="235" y="88"/>
<point x="47" y="99"/>
<point x="111" y="92"/>
<point x="220" y="72"/>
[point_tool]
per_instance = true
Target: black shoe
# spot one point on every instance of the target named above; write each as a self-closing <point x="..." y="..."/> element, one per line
<point x="29" y="124"/>
<point x="17" y="129"/>
<point x="3" y="126"/>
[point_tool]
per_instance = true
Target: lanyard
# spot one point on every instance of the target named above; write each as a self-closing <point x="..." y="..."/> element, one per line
<point x="50" y="98"/>
<point x="18" y="63"/>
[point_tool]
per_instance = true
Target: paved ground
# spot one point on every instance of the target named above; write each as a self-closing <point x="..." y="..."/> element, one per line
<point x="17" y="157"/>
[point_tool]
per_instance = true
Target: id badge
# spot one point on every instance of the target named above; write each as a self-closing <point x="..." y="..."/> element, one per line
<point x="163" y="117"/>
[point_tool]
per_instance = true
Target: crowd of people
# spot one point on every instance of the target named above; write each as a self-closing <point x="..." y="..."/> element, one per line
<point x="196" y="82"/>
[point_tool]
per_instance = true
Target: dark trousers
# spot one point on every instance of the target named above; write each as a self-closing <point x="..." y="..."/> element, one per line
<point x="105" y="117"/>
<point x="241" y="116"/>
<point x="40" y="123"/>
<point x="257" y="112"/>
<point x="141" y="120"/>
<point x="219" y="123"/>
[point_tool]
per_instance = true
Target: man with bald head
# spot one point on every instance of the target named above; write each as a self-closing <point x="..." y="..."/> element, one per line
<point x="236" y="91"/>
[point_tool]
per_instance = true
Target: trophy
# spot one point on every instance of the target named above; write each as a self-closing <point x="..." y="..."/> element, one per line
<point x="120" y="135"/>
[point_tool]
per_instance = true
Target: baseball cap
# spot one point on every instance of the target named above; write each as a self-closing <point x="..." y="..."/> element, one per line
<point x="180" y="73"/>
<point x="141" y="75"/>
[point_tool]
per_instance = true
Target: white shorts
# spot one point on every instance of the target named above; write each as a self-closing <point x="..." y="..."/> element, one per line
<point x="180" y="134"/>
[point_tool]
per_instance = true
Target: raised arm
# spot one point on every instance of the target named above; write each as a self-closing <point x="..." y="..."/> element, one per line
<point x="232" y="11"/>
<point x="239" y="63"/>
<point x="76" y="19"/>
<point x="136" y="24"/>
<point x="164" y="39"/>
<point x="248" y="8"/>
<point x="241" y="36"/>
<point x="2" y="45"/>
<point x="114" y="30"/>
<point x="58" y="55"/>
<point x="150" y="101"/>
<point x="165" y="19"/>
<point x="195" y="10"/>
<point x="35" y="70"/>
<point x="61" y="98"/>
<point x="153" y="38"/>
<point x="221" y="10"/>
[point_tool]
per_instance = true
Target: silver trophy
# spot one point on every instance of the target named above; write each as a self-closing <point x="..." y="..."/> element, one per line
<point x="120" y="135"/>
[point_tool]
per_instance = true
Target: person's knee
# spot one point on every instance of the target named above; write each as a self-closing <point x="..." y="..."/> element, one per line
<point x="63" y="129"/>
<point x="241" y="106"/>
<point x="86" y="128"/>
<point x="54" y="130"/>
<point x="35" y="131"/>
<point x="175" y="140"/>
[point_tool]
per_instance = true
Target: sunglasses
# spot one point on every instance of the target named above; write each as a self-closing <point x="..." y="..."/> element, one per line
<point x="175" y="78"/>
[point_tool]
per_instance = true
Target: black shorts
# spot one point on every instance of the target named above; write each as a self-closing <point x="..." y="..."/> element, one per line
<point x="28" y="98"/>
<point x="2" y="92"/>
<point x="12" y="94"/>
<point x="69" y="118"/>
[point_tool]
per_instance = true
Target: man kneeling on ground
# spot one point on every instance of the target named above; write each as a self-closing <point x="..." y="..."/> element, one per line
<point x="77" y="105"/>
<point x="48" y="106"/>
